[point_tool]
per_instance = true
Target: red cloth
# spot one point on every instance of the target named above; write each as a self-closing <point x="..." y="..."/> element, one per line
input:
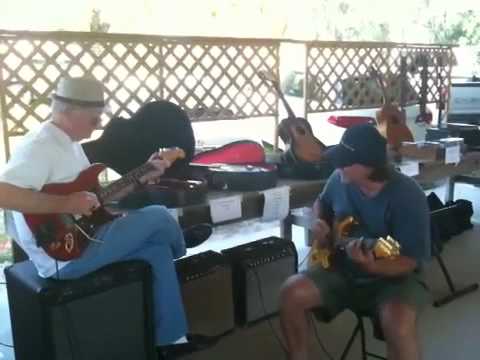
<point x="347" y="121"/>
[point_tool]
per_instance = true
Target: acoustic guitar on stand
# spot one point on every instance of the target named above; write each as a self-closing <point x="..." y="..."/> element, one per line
<point x="295" y="131"/>
<point x="391" y="122"/>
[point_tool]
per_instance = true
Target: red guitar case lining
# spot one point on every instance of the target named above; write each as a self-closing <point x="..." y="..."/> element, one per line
<point x="238" y="178"/>
<point x="237" y="152"/>
<point x="346" y="121"/>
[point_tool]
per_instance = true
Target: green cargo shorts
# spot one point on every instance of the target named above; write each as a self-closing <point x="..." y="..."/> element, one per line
<point x="340" y="292"/>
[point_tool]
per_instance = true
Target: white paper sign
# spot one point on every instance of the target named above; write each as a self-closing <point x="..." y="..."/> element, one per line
<point x="277" y="203"/>
<point x="452" y="154"/>
<point x="410" y="168"/>
<point x="226" y="209"/>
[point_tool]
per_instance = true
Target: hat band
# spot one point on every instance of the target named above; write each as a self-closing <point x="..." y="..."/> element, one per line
<point x="79" y="102"/>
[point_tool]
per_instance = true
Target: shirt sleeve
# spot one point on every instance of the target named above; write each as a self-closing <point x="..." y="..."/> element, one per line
<point x="410" y="223"/>
<point x="29" y="167"/>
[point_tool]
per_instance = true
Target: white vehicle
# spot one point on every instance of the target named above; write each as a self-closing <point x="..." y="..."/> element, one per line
<point x="464" y="106"/>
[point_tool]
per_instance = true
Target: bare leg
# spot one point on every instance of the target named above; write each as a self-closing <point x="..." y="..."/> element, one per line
<point x="298" y="296"/>
<point x="399" y="324"/>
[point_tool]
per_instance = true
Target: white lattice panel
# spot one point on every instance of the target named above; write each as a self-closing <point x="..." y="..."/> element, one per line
<point x="339" y="74"/>
<point x="219" y="79"/>
<point x="210" y="78"/>
<point x="32" y="64"/>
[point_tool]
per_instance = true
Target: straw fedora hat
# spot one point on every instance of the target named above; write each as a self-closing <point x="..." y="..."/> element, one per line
<point x="82" y="91"/>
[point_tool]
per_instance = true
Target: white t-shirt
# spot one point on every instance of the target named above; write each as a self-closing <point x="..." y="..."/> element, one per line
<point x="46" y="155"/>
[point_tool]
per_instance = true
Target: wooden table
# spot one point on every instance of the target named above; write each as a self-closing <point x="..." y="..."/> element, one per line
<point x="304" y="192"/>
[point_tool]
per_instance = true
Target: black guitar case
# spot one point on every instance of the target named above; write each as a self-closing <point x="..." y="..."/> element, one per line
<point x="127" y="143"/>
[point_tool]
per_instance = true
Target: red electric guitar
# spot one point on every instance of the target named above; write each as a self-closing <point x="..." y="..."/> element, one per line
<point x="65" y="236"/>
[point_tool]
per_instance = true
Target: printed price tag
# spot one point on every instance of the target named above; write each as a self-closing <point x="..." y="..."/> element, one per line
<point x="410" y="168"/>
<point x="226" y="209"/>
<point x="277" y="203"/>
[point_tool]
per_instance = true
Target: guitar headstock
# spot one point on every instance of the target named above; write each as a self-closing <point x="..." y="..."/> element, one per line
<point x="381" y="83"/>
<point x="266" y="75"/>
<point x="171" y="154"/>
<point x="270" y="78"/>
<point x="386" y="248"/>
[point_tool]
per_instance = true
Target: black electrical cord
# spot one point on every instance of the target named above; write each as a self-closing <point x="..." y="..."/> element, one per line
<point x="319" y="341"/>
<point x="322" y="346"/>
<point x="262" y="300"/>
<point x="306" y="257"/>
<point x="67" y="320"/>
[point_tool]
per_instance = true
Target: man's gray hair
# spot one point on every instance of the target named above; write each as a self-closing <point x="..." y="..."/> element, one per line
<point x="59" y="106"/>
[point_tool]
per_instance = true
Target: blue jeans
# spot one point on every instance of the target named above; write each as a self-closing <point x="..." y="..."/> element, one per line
<point x="153" y="235"/>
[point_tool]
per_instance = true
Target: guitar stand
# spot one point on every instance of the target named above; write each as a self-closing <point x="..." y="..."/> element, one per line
<point x="360" y="330"/>
<point x="454" y="292"/>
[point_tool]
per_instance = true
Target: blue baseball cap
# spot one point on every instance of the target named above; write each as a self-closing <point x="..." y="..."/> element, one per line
<point x="360" y="144"/>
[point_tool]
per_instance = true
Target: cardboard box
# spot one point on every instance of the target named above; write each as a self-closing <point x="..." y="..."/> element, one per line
<point x="423" y="150"/>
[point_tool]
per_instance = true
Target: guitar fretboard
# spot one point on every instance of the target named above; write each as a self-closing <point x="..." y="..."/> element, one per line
<point x="131" y="178"/>
<point x="369" y="242"/>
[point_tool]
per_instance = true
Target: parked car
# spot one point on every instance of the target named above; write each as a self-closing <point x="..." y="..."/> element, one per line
<point x="464" y="106"/>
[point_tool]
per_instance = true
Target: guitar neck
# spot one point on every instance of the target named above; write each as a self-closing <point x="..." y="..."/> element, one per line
<point x="129" y="179"/>
<point x="290" y="112"/>
<point x="379" y="80"/>
<point x="403" y="85"/>
<point x="424" y="87"/>
<point x="367" y="243"/>
<point x="269" y="78"/>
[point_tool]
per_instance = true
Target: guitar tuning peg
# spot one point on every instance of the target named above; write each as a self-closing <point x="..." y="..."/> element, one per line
<point x="394" y="243"/>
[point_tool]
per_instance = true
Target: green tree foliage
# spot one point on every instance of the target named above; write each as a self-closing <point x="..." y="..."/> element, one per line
<point x="462" y="28"/>
<point x="96" y="25"/>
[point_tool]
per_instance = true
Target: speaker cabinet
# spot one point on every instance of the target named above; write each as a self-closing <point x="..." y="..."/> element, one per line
<point x="206" y="285"/>
<point x="104" y="315"/>
<point x="259" y="270"/>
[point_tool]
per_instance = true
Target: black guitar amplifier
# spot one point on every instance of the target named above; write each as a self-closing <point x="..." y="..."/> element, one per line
<point x="104" y="315"/>
<point x="206" y="285"/>
<point x="259" y="270"/>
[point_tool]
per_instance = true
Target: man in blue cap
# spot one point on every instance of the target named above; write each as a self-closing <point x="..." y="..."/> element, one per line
<point x="384" y="202"/>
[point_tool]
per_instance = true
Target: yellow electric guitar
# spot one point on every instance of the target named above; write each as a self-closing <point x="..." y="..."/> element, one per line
<point x="382" y="247"/>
